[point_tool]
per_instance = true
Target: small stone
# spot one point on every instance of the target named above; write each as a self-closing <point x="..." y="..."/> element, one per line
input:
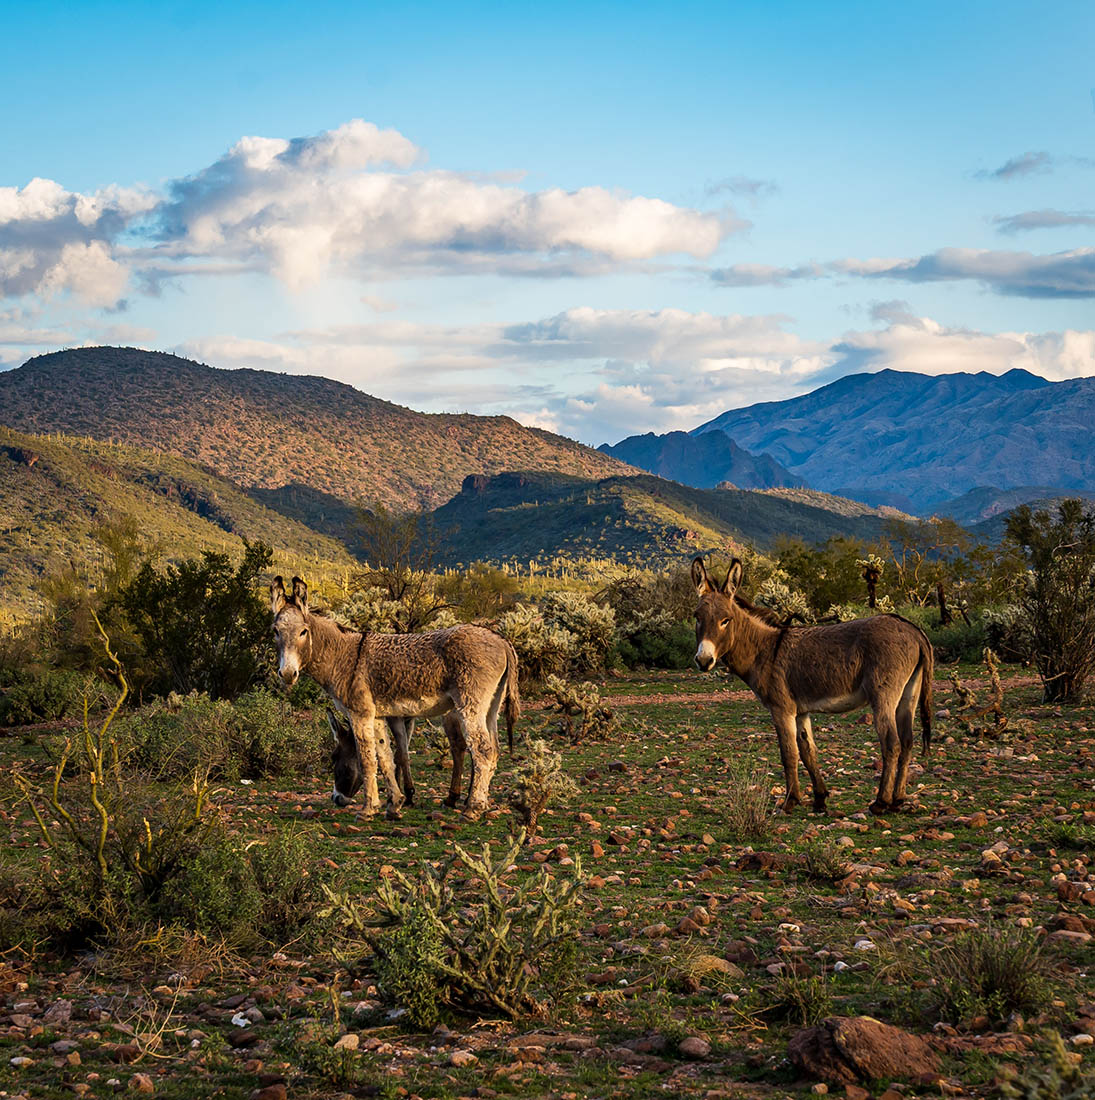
<point x="820" y="1089"/>
<point x="19" y="1061"/>
<point x="694" y="1047"/>
<point x="58" y="1014"/>
<point x="349" y="1041"/>
<point x="1082" y="1040"/>
<point x="141" y="1082"/>
<point x="462" y="1058"/>
<point x="854" y="1092"/>
<point x="979" y="820"/>
<point x="655" y="931"/>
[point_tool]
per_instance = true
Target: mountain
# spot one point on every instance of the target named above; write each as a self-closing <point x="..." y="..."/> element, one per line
<point x="266" y="430"/>
<point x="916" y="440"/>
<point x="985" y="504"/>
<point x="701" y="460"/>
<point x="643" y="520"/>
<point x="56" y="493"/>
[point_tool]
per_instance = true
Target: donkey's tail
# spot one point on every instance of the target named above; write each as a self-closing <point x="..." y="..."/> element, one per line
<point x="513" y="697"/>
<point x="927" y="674"/>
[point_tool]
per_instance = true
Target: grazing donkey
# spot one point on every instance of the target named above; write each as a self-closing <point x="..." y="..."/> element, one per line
<point x="349" y="775"/>
<point x="884" y="661"/>
<point x="466" y="669"/>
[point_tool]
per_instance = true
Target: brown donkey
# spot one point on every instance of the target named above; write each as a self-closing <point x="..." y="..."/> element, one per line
<point x="465" y="669"/>
<point x="884" y="661"/>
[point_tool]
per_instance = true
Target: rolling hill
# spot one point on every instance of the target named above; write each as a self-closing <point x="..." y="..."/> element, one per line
<point x="643" y="520"/>
<point x="702" y="460"/>
<point x="916" y="440"/>
<point x="266" y="430"/>
<point x="55" y="493"/>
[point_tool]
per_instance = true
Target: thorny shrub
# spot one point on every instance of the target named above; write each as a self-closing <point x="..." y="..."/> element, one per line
<point x="749" y="801"/>
<point x="801" y="1000"/>
<point x="583" y="716"/>
<point x="472" y="935"/>
<point x="538" y="780"/>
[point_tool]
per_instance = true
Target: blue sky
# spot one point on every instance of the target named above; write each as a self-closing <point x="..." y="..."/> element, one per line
<point x="598" y="218"/>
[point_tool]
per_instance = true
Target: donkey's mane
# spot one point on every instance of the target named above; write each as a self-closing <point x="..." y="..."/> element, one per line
<point x="325" y="614"/>
<point x="765" y="614"/>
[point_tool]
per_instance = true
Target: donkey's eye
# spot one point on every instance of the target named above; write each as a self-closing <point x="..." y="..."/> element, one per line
<point x="303" y="633"/>
<point x="724" y="624"/>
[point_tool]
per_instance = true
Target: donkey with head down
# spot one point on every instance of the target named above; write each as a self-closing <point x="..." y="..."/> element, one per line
<point x="885" y="662"/>
<point x="465" y="669"/>
<point x="350" y="776"/>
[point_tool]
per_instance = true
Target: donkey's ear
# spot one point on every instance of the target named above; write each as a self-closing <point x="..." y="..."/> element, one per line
<point x="338" y="728"/>
<point x="277" y="595"/>
<point x="300" y="593"/>
<point x="699" y="576"/>
<point x="733" y="578"/>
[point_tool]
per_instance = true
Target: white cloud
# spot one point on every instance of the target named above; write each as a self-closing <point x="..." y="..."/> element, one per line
<point x="349" y="201"/>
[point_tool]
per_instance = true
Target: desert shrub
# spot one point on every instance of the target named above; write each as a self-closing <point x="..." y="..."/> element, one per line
<point x="258" y="735"/>
<point x="823" y="861"/>
<point x="653" y="618"/>
<point x="590" y="624"/>
<point x="202" y="624"/>
<point x="538" y="780"/>
<point x="957" y="641"/>
<point x="479" y="592"/>
<point x="990" y="971"/>
<point x="749" y="801"/>
<point x="800" y="1000"/>
<point x="583" y="716"/>
<point x="1007" y="632"/>
<point x="40" y="697"/>
<point x="1060" y="1076"/>
<point x="1057" y="598"/>
<point x="484" y="937"/>
<point x="543" y="649"/>
<point x="369" y="609"/>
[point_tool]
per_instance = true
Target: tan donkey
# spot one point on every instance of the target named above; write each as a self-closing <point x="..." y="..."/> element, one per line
<point x="467" y="670"/>
<point x="885" y="662"/>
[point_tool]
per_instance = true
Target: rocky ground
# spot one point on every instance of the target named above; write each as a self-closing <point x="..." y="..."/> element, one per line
<point x="710" y="964"/>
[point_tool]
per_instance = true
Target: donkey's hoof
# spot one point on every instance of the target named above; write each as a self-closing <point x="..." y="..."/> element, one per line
<point x="819" y="803"/>
<point x="452" y="801"/>
<point x="369" y="811"/>
<point x="392" y="813"/>
<point x="340" y="800"/>
<point x="474" y="813"/>
<point x="879" y="808"/>
<point x="788" y="805"/>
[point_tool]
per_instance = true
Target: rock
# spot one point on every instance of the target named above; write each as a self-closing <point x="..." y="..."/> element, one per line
<point x="141" y="1082"/>
<point x="854" y="1092"/>
<point x="63" y="1046"/>
<point x="349" y="1041"/>
<point x="21" y="1019"/>
<point x="844" y="1050"/>
<point x="462" y="1058"/>
<point x="655" y="931"/>
<point x="1077" y="939"/>
<point x="694" y="1047"/>
<point x="978" y="820"/>
<point x="1082" y="1040"/>
<point x="276" y="1091"/>
<point x="58" y="1014"/>
<point x="21" y="1061"/>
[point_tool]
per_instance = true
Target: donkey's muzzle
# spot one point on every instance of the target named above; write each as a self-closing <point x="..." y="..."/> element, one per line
<point x="704" y="662"/>
<point x="290" y="677"/>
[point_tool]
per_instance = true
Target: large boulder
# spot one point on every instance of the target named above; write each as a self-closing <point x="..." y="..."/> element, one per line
<point x="845" y="1049"/>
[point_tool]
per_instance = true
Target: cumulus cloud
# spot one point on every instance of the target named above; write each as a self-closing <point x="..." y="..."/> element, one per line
<point x="1042" y="219"/>
<point x="53" y="240"/>
<point x="349" y="200"/>
<point x="764" y="274"/>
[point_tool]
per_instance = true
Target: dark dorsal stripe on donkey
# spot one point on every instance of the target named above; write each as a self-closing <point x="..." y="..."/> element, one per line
<point x="885" y="662"/>
<point x="466" y="670"/>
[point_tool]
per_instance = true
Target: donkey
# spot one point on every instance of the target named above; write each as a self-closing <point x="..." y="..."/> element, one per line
<point x="884" y="661"/>
<point x="349" y="775"/>
<point x="466" y="669"/>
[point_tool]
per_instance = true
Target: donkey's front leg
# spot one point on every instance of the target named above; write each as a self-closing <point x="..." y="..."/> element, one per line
<point x="365" y="735"/>
<point x="387" y="766"/>
<point x="787" y="732"/>
<point x="808" y="751"/>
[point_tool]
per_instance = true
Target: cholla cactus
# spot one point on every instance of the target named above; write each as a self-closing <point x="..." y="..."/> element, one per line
<point x="785" y="601"/>
<point x="582" y="702"/>
<point x="487" y="940"/>
<point x="872" y="566"/>
<point x="543" y="649"/>
<point x="538" y="781"/>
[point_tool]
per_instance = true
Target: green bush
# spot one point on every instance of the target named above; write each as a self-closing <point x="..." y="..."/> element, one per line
<point x="214" y="891"/>
<point x="259" y="735"/>
<point x="44" y="697"/>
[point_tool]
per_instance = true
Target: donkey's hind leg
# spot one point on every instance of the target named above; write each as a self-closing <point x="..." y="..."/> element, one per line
<point x="484" y="754"/>
<point x="885" y="724"/>
<point x="808" y="751"/>
<point x="906" y="708"/>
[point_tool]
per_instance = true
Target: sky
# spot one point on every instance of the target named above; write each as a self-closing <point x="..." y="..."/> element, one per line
<point x="597" y="218"/>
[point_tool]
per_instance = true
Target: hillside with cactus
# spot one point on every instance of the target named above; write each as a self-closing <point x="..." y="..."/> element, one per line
<point x="268" y="431"/>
